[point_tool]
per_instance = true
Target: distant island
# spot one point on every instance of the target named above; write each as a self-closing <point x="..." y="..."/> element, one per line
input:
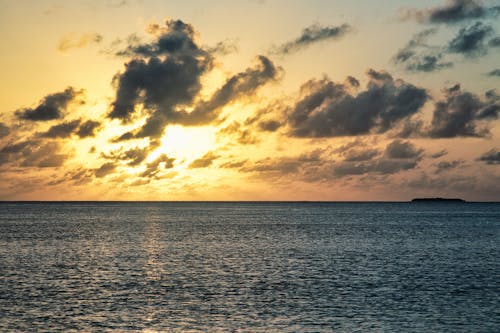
<point x="437" y="200"/>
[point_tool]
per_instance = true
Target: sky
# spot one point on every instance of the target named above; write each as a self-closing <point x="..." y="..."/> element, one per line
<point x="249" y="100"/>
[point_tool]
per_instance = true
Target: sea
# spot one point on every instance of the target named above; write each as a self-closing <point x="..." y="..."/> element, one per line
<point x="249" y="267"/>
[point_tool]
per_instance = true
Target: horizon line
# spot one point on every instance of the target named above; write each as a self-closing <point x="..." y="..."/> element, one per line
<point x="225" y="201"/>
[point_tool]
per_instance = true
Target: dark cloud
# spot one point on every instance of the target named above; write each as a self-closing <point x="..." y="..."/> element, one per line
<point x="454" y="11"/>
<point x="439" y="154"/>
<point x="176" y="38"/>
<point x="447" y="165"/>
<point x="66" y="129"/>
<point x="495" y="72"/>
<point x="243" y="84"/>
<point x="470" y="41"/>
<point x="88" y="128"/>
<point x="233" y="164"/>
<point x="398" y="156"/>
<point x="78" y="176"/>
<point x="379" y="166"/>
<point x="269" y="125"/>
<point x="267" y="118"/>
<point x="318" y="166"/>
<point x="51" y="106"/>
<point x="312" y="34"/>
<point x="428" y="63"/>
<point x="164" y="77"/>
<point x="357" y="155"/>
<point x="242" y="135"/>
<point x="63" y="130"/>
<point x="161" y="83"/>
<point x="105" y="169"/>
<point x="459" y="113"/>
<point x="74" y="41"/>
<point x="223" y="48"/>
<point x="204" y="162"/>
<point x="277" y="166"/>
<point x="418" y="56"/>
<point x="490" y="157"/>
<point x="33" y="153"/>
<point x="494" y="42"/>
<point x="402" y="149"/>
<point x="4" y="130"/>
<point x="153" y="168"/>
<point x="327" y="109"/>
<point x="133" y="156"/>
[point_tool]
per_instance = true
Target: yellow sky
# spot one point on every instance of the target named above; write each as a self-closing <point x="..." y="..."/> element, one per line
<point x="250" y="100"/>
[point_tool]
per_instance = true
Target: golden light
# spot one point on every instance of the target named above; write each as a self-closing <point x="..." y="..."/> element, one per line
<point x="186" y="143"/>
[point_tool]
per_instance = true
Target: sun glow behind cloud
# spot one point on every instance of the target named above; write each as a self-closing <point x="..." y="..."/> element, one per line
<point x="186" y="143"/>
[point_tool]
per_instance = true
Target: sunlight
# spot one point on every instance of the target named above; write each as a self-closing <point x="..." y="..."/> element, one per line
<point x="186" y="143"/>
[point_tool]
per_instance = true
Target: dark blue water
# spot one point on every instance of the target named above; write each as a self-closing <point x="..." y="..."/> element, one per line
<point x="249" y="267"/>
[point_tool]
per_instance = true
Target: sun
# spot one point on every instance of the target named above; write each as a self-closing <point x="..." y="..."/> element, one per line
<point x="186" y="143"/>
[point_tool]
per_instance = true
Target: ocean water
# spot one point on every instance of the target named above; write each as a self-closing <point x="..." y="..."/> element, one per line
<point x="249" y="267"/>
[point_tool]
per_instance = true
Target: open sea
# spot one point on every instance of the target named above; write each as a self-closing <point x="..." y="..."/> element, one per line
<point x="249" y="267"/>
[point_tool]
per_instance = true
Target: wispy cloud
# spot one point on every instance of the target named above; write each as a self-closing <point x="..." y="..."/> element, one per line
<point x="78" y="41"/>
<point x="310" y="35"/>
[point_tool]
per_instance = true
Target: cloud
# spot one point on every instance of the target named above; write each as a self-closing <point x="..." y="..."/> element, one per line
<point x="491" y="157"/>
<point x="66" y="129"/>
<point x="398" y="156"/>
<point x="88" y="128"/>
<point x="454" y="11"/>
<point x="33" y="153"/>
<point x="242" y="135"/>
<point x="4" y="130"/>
<point x="279" y="166"/>
<point x="459" y="114"/>
<point x="439" y="154"/>
<point x="312" y="34"/>
<point x="51" y="107"/>
<point x="161" y="83"/>
<point x="447" y="165"/>
<point x="470" y="41"/>
<point x="133" y="156"/>
<point x="269" y="125"/>
<point x="105" y="169"/>
<point x="223" y="48"/>
<point x="153" y="168"/>
<point x="401" y="149"/>
<point x="328" y="109"/>
<point x="495" y="72"/>
<point x="75" y="41"/>
<point x="317" y="166"/>
<point x="63" y="130"/>
<point x="268" y="118"/>
<point x="233" y="164"/>
<point x="204" y="162"/>
<point x="418" y="56"/>
<point x="242" y="84"/>
<point x="164" y="78"/>
<point x="358" y="155"/>
<point x="458" y="184"/>
<point x="494" y="42"/>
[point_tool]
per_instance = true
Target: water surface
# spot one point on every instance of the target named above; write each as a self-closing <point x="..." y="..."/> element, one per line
<point x="249" y="267"/>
